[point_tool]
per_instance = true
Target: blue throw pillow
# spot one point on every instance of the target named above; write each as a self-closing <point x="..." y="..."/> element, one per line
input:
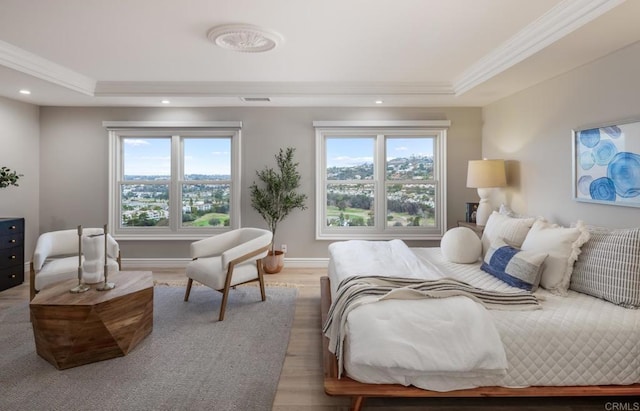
<point x="515" y="267"/>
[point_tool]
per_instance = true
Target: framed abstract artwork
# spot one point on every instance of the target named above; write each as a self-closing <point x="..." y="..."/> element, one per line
<point x="606" y="164"/>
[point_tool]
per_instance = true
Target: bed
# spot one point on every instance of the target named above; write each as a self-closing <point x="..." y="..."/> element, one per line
<point x="573" y="345"/>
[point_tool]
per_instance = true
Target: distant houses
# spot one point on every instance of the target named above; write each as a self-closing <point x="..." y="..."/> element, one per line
<point x="145" y="203"/>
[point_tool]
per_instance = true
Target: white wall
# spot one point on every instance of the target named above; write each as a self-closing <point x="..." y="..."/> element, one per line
<point x="19" y="150"/>
<point x="532" y="129"/>
<point x="73" y="188"/>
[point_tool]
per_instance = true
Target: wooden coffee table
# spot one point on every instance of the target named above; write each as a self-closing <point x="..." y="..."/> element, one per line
<point x="76" y="329"/>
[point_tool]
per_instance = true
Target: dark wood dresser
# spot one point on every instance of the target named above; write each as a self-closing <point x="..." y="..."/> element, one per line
<point x="11" y="252"/>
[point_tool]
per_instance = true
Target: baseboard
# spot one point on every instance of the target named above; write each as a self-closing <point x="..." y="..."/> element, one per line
<point x="306" y="262"/>
<point x="129" y="263"/>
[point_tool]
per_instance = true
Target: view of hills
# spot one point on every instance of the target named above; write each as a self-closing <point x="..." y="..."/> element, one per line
<point x="204" y="204"/>
<point x="410" y="201"/>
<point x="410" y="197"/>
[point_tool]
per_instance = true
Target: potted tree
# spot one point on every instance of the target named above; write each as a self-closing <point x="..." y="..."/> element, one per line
<point x="275" y="198"/>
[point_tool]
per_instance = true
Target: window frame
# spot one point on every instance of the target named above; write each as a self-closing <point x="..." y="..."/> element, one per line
<point x="381" y="130"/>
<point x="177" y="132"/>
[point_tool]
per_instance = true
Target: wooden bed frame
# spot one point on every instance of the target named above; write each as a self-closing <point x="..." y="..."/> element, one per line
<point x="358" y="391"/>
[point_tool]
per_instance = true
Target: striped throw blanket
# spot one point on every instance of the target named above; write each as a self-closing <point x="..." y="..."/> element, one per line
<point x="358" y="290"/>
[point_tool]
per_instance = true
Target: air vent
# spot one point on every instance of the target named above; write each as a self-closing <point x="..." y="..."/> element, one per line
<point x="256" y="99"/>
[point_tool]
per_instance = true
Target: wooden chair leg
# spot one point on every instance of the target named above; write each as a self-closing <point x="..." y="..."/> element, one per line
<point x="261" y="279"/>
<point x="225" y="292"/>
<point x="189" y="284"/>
<point x="223" y="306"/>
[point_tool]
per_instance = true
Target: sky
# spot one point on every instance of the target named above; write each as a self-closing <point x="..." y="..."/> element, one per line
<point x="152" y="156"/>
<point x="345" y="152"/>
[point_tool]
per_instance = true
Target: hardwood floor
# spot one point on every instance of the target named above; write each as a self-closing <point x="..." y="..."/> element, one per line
<point x="301" y="381"/>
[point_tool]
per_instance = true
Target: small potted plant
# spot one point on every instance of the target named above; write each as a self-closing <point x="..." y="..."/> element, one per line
<point x="275" y="198"/>
<point x="8" y="177"/>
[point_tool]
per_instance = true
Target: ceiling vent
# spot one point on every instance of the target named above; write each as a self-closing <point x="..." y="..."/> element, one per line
<point x="256" y="99"/>
<point x="244" y="38"/>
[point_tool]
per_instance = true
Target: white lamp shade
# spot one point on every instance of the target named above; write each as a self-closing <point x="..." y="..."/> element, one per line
<point x="486" y="174"/>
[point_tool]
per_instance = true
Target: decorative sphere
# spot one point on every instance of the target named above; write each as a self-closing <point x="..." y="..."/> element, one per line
<point x="461" y="245"/>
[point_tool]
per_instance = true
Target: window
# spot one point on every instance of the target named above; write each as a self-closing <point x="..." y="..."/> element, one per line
<point x="173" y="183"/>
<point x="380" y="180"/>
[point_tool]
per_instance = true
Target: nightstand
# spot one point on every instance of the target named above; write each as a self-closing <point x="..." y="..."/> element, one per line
<point x="476" y="228"/>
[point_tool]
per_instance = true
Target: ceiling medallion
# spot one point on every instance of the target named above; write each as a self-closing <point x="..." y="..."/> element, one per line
<point x="244" y="38"/>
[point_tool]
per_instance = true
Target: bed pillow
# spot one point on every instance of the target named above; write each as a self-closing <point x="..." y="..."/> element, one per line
<point x="461" y="245"/>
<point x="515" y="267"/>
<point x="609" y="266"/>
<point x="506" y="210"/>
<point x="511" y="230"/>
<point x="562" y="244"/>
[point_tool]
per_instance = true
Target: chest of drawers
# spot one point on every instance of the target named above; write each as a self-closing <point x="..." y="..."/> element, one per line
<point x="11" y="252"/>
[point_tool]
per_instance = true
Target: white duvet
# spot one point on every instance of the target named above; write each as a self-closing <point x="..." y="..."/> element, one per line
<point x="573" y="340"/>
<point x="452" y="336"/>
<point x="388" y="258"/>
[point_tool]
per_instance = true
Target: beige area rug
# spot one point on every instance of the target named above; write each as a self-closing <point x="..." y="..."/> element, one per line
<point x="183" y="283"/>
<point x="190" y="361"/>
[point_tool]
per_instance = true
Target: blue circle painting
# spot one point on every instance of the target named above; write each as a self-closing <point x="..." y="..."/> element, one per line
<point x="587" y="160"/>
<point x="583" y="184"/>
<point x="590" y="138"/>
<point x="602" y="189"/>
<point x="604" y="152"/>
<point x="624" y="172"/>
<point x="613" y="131"/>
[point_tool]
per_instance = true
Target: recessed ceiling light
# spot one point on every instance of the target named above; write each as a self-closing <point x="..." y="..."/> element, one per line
<point x="166" y="102"/>
<point x="244" y="37"/>
<point x="25" y="91"/>
<point x="379" y="101"/>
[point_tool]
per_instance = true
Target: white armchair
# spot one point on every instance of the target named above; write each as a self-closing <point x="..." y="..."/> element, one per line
<point x="227" y="260"/>
<point x="56" y="257"/>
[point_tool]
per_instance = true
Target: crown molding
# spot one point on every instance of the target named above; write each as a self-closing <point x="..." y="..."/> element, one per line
<point x="33" y="65"/>
<point x="28" y="63"/>
<point x="271" y="89"/>
<point x="558" y="22"/>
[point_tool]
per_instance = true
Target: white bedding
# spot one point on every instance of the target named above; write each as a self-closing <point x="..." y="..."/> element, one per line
<point x="389" y="258"/>
<point x="458" y="336"/>
<point x="573" y="340"/>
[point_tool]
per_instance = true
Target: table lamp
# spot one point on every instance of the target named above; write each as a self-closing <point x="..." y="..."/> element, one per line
<point x="485" y="175"/>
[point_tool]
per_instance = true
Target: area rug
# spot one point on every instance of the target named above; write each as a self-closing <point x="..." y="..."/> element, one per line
<point x="190" y="361"/>
<point x="183" y="283"/>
